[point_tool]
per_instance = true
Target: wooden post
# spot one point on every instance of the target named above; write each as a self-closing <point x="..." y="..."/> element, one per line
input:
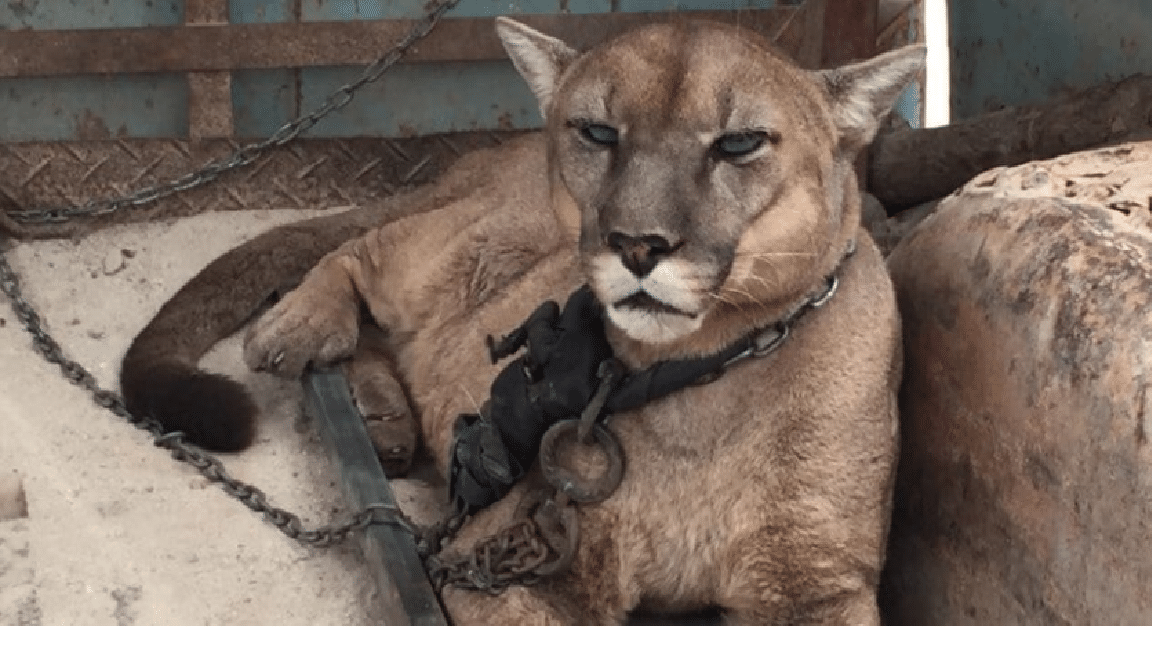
<point x="810" y="53"/>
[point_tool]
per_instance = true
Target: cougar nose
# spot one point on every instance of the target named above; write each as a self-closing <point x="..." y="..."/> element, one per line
<point x="640" y="253"/>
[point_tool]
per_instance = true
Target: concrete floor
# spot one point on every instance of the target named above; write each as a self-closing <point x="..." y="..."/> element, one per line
<point x="116" y="532"/>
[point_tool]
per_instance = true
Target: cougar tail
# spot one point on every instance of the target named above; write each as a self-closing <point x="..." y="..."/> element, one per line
<point x="159" y="377"/>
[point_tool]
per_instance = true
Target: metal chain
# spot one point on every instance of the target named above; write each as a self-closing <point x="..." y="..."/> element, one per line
<point x="519" y="554"/>
<point x="541" y="543"/>
<point x="250" y="153"/>
<point x="429" y="540"/>
<point x="507" y="558"/>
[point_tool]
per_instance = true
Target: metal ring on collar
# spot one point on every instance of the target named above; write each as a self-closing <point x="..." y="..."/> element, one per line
<point x="770" y="340"/>
<point x="833" y="284"/>
<point x="576" y="487"/>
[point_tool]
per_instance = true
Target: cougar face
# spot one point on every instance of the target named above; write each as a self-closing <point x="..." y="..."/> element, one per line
<point x="693" y="173"/>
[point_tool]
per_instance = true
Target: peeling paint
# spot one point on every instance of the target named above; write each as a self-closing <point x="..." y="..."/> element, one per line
<point x="90" y="126"/>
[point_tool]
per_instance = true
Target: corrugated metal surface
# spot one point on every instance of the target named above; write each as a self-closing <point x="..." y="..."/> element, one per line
<point x="412" y="99"/>
<point x="1014" y="52"/>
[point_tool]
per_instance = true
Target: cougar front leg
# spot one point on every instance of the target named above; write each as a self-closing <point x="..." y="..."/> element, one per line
<point x="382" y="401"/>
<point x="775" y="580"/>
<point x="318" y="322"/>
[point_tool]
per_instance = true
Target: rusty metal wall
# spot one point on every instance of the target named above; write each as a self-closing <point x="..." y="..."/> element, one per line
<point x="418" y="98"/>
<point x="88" y="14"/>
<point x="1016" y="52"/>
<point x="66" y="139"/>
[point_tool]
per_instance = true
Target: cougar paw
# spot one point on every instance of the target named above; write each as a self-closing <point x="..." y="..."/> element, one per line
<point x="300" y="330"/>
<point x="395" y="443"/>
<point x="388" y="419"/>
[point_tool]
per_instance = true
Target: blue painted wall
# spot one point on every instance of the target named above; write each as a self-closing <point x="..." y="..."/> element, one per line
<point x="154" y="105"/>
<point x="411" y="99"/>
<point x="89" y="14"/>
<point x="1014" y="52"/>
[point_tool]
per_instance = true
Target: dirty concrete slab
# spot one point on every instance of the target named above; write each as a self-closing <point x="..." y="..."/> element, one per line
<point x="115" y="531"/>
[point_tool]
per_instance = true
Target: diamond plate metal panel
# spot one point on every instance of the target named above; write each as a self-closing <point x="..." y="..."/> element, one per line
<point x="310" y="174"/>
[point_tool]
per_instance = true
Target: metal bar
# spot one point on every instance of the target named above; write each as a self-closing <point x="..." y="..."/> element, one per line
<point x="209" y="93"/>
<point x="207" y="48"/>
<point x="406" y="595"/>
<point x="210" y="105"/>
<point x="810" y="49"/>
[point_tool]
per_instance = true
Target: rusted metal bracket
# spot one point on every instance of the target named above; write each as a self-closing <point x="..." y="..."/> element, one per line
<point x="406" y="596"/>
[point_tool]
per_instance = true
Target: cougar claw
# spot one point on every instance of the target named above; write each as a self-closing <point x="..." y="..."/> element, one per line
<point x="299" y="330"/>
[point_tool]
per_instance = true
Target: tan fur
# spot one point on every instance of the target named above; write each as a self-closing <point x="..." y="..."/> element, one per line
<point x="765" y="493"/>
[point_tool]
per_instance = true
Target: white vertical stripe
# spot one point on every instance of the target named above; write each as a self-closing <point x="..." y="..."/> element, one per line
<point x="937" y="94"/>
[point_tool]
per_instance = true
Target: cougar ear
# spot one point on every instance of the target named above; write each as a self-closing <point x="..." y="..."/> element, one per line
<point x="539" y="58"/>
<point x="863" y="93"/>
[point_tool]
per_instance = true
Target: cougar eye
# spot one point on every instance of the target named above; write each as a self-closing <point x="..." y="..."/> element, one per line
<point x="598" y="134"/>
<point x="739" y="144"/>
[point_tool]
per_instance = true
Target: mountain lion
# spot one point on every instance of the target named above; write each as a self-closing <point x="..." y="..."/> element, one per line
<point x="702" y="186"/>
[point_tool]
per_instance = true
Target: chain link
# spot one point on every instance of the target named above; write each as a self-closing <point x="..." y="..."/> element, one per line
<point x="504" y="559"/>
<point x="250" y="153"/>
<point x="540" y="544"/>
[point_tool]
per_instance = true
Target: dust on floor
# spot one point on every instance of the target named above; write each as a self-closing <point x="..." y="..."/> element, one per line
<point x="117" y="532"/>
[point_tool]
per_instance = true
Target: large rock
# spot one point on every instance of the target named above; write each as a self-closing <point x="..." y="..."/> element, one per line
<point x="1024" y="492"/>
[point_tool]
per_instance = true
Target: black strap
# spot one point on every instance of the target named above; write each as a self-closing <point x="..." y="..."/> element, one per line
<point x="642" y="387"/>
<point x="555" y="379"/>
